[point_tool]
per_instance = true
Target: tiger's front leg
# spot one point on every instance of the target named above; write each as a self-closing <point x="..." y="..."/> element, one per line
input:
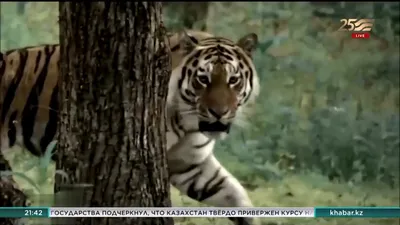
<point x="207" y="181"/>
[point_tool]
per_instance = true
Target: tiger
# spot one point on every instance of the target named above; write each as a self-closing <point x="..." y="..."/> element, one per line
<point x="212" y="81"/>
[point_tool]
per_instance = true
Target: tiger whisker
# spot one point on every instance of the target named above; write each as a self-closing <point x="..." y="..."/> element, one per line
<point x="203" y="116"/>
<point x="188" y="112"/>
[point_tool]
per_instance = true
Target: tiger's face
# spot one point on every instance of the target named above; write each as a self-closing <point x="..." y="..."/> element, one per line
<point x="217" y="79"/>
<point x="218" y="87"/>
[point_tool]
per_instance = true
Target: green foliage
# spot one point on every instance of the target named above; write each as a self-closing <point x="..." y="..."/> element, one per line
<point x="29" y="29"/>
<point x="22" y="176"/>
<point x="32" y="185"/>
<point x="329" y="104"/>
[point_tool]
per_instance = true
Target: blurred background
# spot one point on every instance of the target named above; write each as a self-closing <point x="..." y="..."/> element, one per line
<point x="325" y="131"/>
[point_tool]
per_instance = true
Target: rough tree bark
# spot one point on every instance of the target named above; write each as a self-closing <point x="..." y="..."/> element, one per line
<point x="115" y="71"/>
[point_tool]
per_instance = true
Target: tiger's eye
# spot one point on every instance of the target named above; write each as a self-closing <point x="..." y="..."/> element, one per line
<point x="203" y="79"/>
<point x="233" y="80"/>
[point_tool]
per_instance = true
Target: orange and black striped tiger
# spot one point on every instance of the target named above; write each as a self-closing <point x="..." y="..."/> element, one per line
<point x="212" y="80"/>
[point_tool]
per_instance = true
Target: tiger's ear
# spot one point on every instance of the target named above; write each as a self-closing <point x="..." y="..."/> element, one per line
<point x="248" y="43"/>
<point x="187" y="43"/>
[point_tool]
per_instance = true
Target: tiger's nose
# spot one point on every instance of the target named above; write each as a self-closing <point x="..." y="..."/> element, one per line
<point x="218" y="113"/>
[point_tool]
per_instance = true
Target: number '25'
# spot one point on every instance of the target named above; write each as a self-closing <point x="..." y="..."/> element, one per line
<point x="349" y="22"/>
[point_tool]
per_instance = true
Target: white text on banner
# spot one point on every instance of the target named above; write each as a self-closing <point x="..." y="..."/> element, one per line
<point x="182" y="212"/>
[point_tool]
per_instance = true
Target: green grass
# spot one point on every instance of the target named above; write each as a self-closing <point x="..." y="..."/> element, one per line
<point x="306" y="191"/>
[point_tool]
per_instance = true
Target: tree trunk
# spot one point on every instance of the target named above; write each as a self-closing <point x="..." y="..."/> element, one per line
<point x="115" y="71"/>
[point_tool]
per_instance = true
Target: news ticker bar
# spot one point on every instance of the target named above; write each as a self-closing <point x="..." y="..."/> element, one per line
<point x="353" y="212"/>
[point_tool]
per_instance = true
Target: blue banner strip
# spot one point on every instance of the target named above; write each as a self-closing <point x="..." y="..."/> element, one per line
<point x="24" y="212"/>
<point x="358" y="212"/>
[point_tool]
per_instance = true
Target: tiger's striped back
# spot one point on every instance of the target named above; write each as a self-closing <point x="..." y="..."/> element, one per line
<point x="29" y="104"/>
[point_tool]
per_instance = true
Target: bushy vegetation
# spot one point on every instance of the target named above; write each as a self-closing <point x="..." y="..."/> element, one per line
<point x="329" y="107"/>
